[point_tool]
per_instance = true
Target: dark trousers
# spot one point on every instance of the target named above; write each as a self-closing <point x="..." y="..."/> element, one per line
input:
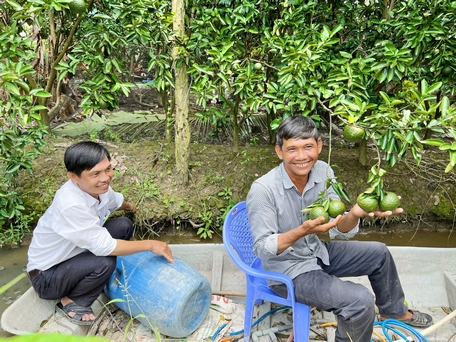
<point x="83" y="277"/>
<point x="353" y="304"/>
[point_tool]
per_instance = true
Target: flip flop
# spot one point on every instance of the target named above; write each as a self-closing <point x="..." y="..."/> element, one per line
<point x="418" y="320"/>
<point x="78" y="310"/>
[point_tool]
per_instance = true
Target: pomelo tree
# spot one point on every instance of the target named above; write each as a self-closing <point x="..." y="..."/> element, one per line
<point x="346" y="60"/>
<point x="387" y="67"/>
<point x="58" y="54"/>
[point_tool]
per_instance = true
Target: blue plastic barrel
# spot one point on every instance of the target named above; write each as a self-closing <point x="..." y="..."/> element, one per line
<point x="174" y="298"/>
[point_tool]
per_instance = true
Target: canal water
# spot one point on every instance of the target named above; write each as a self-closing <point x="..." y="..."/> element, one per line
<point x="14" y="260"/>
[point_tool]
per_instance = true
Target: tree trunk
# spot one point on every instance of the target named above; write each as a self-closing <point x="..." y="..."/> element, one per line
<point x="235" y="117"/>
<point x="181" y="126"/>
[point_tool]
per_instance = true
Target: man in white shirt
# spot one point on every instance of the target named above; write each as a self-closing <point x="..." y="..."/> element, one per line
<point x="74" y="245"/>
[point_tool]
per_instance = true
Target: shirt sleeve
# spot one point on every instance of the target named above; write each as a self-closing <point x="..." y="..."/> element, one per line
<point x="81" y="225"/>
<point x="263" y="222"/>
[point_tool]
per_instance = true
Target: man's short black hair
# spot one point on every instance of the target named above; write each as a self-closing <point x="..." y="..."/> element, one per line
<point x="296" y="127"/>
<point x="83" y="156"/>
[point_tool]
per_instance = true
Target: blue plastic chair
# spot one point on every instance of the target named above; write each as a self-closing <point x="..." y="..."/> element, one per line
<point x="238" y="242"/>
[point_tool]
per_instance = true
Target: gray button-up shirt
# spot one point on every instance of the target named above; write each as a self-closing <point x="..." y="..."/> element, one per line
<point x="274" y="206"/>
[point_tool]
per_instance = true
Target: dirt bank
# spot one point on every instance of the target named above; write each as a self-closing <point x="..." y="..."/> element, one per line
<point x="145" y="174"/>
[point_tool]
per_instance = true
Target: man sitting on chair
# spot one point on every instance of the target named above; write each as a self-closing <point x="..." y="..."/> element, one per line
<point x="286" y="240"/>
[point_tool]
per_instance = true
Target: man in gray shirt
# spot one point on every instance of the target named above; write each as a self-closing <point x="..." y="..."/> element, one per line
<point x="287" y="242"/>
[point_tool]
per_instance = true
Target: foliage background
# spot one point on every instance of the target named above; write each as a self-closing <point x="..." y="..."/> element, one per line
<point x="219" y="178"/>
<point x="386" y="66"/>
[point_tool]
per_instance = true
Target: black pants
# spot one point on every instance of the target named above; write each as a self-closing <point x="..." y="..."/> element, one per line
<point x="352" y="303"/>
<point x="83" y="277"/>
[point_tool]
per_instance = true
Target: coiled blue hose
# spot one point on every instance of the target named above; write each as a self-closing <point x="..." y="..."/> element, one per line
<point x="260" y="319"/>
<point x="388" y="325"/>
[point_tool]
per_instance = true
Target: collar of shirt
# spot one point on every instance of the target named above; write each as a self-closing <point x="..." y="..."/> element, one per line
<point x="316" y="175"/>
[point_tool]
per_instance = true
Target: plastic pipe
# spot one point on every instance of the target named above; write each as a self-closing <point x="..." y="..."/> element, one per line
<point x="435" y="326"/>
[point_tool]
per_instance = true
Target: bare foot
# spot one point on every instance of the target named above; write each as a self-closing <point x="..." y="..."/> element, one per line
<point x="405" y="317"/>
<point x="291" y="338"/>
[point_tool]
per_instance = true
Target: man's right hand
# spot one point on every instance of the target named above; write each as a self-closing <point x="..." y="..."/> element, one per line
<point x="125" y="247"/>
<point x="317" y="226"/>
<point x="162" y="248"/>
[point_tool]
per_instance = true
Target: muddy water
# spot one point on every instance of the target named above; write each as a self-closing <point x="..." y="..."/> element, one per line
<point x="12" y="264"/>
<point x="13" y="261"/>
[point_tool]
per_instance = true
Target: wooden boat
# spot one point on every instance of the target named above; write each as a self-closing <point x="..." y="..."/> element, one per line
<point x="428" y="276"/>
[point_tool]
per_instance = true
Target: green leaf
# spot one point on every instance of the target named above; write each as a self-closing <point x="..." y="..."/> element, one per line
<point x="445" y="147"/>
<point x="62" y="66"/>
<point x="8" y="76"/>
<point x="345" y="54"/>
<point x="41" y="93"/>
<point x="449" y="167"/>
<point x="202" y="69"/>
<point x="433" y="142"/>
<point x="453" y="158"/>
<point x="444" y="106"/>
<point x="15" y="5"/>
<point x="12" y="88"/>
<point x="13" y="168"/>
<point x="62" y="75"/>
<point x="434" y="87"/>
<point x="424" y="87"/>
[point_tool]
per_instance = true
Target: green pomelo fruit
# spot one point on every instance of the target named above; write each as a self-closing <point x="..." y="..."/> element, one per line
<point x="367" y="203"/>
<point x="389" y="202"/>
<point x="353" y="133"/>
<point x="78" y="6"/>
<point x="103" y="104"/>
<point x="336" y="208"/>
<point x="446" y="71"/>
<point x="316" y="212"/>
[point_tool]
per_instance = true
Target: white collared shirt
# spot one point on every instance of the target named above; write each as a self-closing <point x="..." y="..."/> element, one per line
<point x="71" y="225"/>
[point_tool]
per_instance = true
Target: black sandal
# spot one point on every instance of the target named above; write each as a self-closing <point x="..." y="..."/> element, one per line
<point x="419" y="319"/>
<point x="78" y="310"/>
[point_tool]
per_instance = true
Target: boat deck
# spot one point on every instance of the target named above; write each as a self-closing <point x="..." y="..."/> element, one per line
<point x="428" y="276"/>
<point x="224" y="323"/>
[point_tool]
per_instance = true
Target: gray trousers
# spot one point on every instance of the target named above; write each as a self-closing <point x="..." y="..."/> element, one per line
<point x="352" y="303"/>
<point x="83" y="277"/>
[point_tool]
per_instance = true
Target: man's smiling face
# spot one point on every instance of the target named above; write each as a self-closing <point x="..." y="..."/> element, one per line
<point x="96" y="180"/>
<point x="299" y="156"/>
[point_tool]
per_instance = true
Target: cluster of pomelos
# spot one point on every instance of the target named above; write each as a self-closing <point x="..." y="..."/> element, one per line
<point x="372" y="199"/>
<point x="327" y="208"/>
<point x="370" y="202"/>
